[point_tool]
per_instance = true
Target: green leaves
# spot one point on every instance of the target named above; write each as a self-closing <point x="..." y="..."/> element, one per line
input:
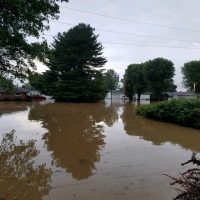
<point x="155" y="76"/>
<point x="135" y="80"/>
<point x="191" y="75"/>
<point x="183" y="112"/>
<point x="6" y="84"/>
<point x="20" y="19"/>
<point x="159" y="73"/>
<point x="75" y="64"/>
<point x="111" y="80"/>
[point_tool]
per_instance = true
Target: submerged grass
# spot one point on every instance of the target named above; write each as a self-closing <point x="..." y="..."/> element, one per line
<point x="183" y="112"/>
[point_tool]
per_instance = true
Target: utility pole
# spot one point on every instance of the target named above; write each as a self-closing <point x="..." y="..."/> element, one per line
<point x="111" y="88"/>
<point x="194" y="89"/>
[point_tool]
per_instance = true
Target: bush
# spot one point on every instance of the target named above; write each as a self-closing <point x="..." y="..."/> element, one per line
<point x="18" y="99"/>
<point x="188" y="182"/>
<point x="6" y="99"/>
<point x="183" y="112"/>
<point x="29" y="98"/>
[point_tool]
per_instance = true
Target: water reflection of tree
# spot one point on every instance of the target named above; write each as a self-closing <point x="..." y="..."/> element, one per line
<point x="158" y="132"/>
<point x="111" y="114"/>
<point x="75" y="134"/>
<point x="19" y="179"/>
<point x="8" y="107"/>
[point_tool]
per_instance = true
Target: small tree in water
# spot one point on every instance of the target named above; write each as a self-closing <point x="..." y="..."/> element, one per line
<point x="135" y="81"/>
<point x="160" y="73"/>
<point x="111" y="80"/>
<point x="189" y="181"/>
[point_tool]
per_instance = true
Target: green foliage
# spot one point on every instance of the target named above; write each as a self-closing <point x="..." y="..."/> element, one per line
<point x="128" y="84"/>
<point x="36" y="81"/>
<point x="188" y="181"/>
<point x="111" y="79"/>
<point x="20" y="19"/>
<point x="75" y="64"/>
<point x="155" y="76"/>
<point x="6" y="84"/>
<point x="19" y="171"/>
<point x="191" y="75"/>
<point x="183" y="112"/>
<point x="172" y="87"/>
<point x="135" y="79"/>
<point x="159" y="73"/>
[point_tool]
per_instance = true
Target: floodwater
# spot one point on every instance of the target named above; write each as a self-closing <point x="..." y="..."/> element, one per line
<point x="61" y="151"/>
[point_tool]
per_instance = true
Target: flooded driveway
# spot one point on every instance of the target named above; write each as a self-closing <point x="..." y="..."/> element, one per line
<point x="99" y="151"/>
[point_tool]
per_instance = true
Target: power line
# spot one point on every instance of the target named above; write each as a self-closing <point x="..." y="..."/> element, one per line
<point x="156" y="13"/>
<point x="132" y="20"/>
<point x="133" y="34"/>
<point x="142" y="45"/>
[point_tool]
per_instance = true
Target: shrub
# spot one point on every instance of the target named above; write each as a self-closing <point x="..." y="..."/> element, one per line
<point x="29" y="98"/>
<point x="183" y="112"/>
<point x="188" y="182"/>
<point x="6" y="99"/>
<point x="18" y="99"/>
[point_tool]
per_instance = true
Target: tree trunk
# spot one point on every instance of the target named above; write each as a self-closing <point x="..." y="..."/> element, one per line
<point x="159" y="97"/>
<point x="139" y="95"/>
<point x="130" y="99"/>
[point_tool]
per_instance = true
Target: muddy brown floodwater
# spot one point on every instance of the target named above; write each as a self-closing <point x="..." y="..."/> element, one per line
<point x="63" y="151"/>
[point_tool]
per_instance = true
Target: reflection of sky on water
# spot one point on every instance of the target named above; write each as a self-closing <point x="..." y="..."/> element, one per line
<point x="22" y="125"/>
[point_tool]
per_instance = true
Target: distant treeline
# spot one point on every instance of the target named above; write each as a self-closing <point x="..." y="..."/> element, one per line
<point x="156" y="76"/>
<point x="75" y="71"/>
<point x="74" y="60"/>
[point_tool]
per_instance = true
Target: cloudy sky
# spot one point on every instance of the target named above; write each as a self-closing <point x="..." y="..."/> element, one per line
<point x="133" y="31"/>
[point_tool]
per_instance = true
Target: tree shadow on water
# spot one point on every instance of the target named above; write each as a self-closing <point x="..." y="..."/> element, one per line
<point x="19" y="178"/>
<point x="75" y="134"/>
<point x="159" y="132"/>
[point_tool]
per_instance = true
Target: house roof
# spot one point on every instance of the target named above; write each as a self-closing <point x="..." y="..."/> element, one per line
<point x="20" y="90"/>
<point x="16" y="90"/>
<point x="2" y="90"/>
<point x="180" y="93"/>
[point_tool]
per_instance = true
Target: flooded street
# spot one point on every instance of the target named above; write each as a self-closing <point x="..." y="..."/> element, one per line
<point x="61" y="151"/>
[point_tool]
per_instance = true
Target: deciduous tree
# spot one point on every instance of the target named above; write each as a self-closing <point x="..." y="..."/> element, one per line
<point x="128" y="84"/>
<point x="191" y="75"/>
<point x="6" y="84"/>
<point x="138" y="79"/>
<point x="111" y="80"/>
<point x="20" y="19"/>
<point x="159" y="73"/>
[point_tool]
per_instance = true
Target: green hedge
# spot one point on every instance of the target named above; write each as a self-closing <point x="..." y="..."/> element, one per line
<point x="183" y="112"/>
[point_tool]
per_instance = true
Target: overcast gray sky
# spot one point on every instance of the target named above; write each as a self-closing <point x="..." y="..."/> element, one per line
<point x="183" y="15"/>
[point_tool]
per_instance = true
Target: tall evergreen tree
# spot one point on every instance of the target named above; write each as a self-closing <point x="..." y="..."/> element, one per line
<point x="75" y="66"/>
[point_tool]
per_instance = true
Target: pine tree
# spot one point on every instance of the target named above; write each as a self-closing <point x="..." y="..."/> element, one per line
<point x="75" y="63"/>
